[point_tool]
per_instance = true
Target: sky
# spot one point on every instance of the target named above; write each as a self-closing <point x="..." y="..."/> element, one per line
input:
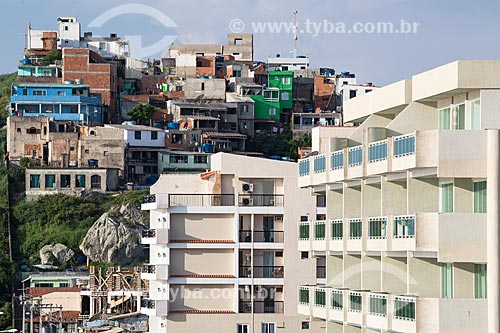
<point x="446" y="30"/>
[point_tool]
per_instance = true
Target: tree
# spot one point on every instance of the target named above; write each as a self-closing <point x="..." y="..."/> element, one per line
<point x="142" y="114"/>
<point x="51" y="57"/>
<point x="274" y="144"/>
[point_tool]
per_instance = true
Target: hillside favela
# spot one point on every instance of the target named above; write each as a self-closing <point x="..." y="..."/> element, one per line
<point x="250" y="166"/>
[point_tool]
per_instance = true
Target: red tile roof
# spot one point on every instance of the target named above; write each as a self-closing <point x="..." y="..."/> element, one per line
<point x="67" y="317"/>
<point x="41" y="291"/>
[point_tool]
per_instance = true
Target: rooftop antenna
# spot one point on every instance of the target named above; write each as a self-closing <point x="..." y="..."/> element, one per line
<point x="295" y="38"/>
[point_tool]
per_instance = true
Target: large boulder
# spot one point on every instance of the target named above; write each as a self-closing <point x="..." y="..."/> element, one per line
<point x="55" y="254"/>
<point x="115" y="237"/>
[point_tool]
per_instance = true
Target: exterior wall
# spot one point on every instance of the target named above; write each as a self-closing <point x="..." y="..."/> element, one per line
<point x="108" y="181"/>
<point x="106" y="145"/>
<point x="212" y="89"/>
<point x="70" y="301"/>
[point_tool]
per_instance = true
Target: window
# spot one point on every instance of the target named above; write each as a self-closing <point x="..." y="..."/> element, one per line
<point x="475" y="115"/>
<point x="238" y="41"/>
<point x="106" y="153"/>
<point x="337" y="300"/>
<point x="44" y="285"/>
<point x="236" y="73"/>
<point x="63" y="285"/>
<point x="320" y="298"/>
<point x="268" y="327"/>
<point x="304" y="231"/>
<point x="355" y="302"/>
<point x="137" y="135"/>
<point x="305" y="325"/>
<point x="404" y="226"/>
<point x="154" y="135"/>
<point x="87" y="151"/>
<point x="202" y="86"/>
<point x="337" y="161"/>
<point x="200" y="159"/>
<point x="303" y="295"/>
<point x="80" y="181"/>
<point x="34" y="181"/>
<point x="61" y="93"/>
<point x="242" y="328"/>
<point x="304" y="255"/>
<point x="480" y="280"/>
<point x="272" y="111"/>
<point x="39" y="92"/>
<point x="480" y="197"/>
<point x="376" y="227"/>
<point x="459" y="117"/>
<point x="65" y="181"/>
<point x="66" y="28"/>
<point x="377" y="151"/>
<point x="355" y="155"/>
<point x="320" y="163"/>
<point x="377" y="305"/>
<point x="285" y="96"/>
<point x="244" y="108"/>
<point x="319" y="230"/>
<point x="102" y="46"/>
<point x="50" y="181"/>
<point x="404" y="308"/>
<point x="447" y="280"/>
<point x="352" y="93"/>
<point x="178" y="159"/>
<point x="286" y="80"/>
<point x="446" y="197"/>
<point x="95" y="182"/>
<point x="444" y="119"/>
<point x="304" y="166"/>
<point x="73" y="109"/>
<point x="304" y="218"/>
<point x="71" y="148"/>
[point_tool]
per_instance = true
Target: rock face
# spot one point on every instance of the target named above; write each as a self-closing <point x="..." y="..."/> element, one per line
<point x="116" y="237"/>
<point x="55" y="254"/>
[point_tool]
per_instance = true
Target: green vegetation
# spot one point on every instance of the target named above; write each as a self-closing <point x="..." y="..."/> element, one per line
<point x="273" y="144"/>
<point x="51" y="57"/>
<point x="6" y="81"/>
<point x="142" y="114"/>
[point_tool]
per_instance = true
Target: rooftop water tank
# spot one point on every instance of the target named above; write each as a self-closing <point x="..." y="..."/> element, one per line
<point x="26" y="61"/>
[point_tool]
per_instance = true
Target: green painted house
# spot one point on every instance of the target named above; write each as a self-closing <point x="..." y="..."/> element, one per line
<point x="276" y="97"/>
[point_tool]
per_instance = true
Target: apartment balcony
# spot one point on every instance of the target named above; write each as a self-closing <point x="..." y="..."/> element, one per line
<point x="154" y="236"/>
<point x="261" y="200"/>
<point x="355" y="308"/>
<point x="305" y="300"/>
<point x="320" y="272"/>
<point x="321" y="302"/>
<point x="154" y="201"/>
<point x="261" y="272"/>
<point x="266" y="306"/>
<point x="338" y="300"/>
<point x="304" y="243"/>
<point x="355" y="236"/>
<point x="377" y="315"/>
<point x="245" y="236"/>
<point x="319" y="243"/>
<point x="321" y="204"/>
<point x="336" y="235"/>
<point x="200" y="200"/>
<point x="154" y="272"/>
<point x="377" y="234"/>
<point x="155" y="308"/>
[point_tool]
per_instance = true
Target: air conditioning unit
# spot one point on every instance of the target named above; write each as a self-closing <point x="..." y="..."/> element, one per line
<point x="247" y="187"/>
<point x="278" y="218"/>
<point x="247" y="201"/>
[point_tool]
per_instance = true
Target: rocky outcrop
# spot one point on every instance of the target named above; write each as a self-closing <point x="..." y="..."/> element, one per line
<point x="55" y="254"/>
<point x="115" y="237"/>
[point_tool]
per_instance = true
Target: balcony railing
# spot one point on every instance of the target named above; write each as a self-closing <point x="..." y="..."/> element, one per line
<point x="304" y="295"/>
<point x="404" y="308"/>
<point x="320" y="163"/>
<point x="319" y="230"/>
<point x="377" y="305"/>
<point x="404" y="226"/>
<point x="261" y="272"/>
<point x="377" y="227"/>
<point x="304" y="167"/>
<point x="201" y="200"/>
<point x="261" y="200"/>
<point x="261" y="236"/>
<point x="355" y="301"/>
<point x="320" y="272"/>
<point x="151" y="198"/>
<point x="404" y="145"/>
<point x="261" y="307"/>
<point x="337" y="229"/>
<point x="377" y="151"/>
<point x="355" y="228"/>
<point x="337" y="299"/>
<point x="337" y="160"/>
<point x="320" y="298"/>
<point x="304" y="231"/>
<point x="355" y="156"/>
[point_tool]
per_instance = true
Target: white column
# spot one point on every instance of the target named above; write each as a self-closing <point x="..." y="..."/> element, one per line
<point x="493" y="196"/>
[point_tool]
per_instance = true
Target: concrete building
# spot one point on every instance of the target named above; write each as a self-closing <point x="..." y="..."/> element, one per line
<point x="240" y="46"/>
<point x="71" y="181"/>
<point x="69" y="101"/>
<point x="288" y="64"/>
<point x="410" y="239"/>
<point x="183" y="162"/>
<point x="223" y="249"/>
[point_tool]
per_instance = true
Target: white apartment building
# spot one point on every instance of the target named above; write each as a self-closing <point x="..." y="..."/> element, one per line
<point x="223" y="249"/>
<point x="410" y="238"/>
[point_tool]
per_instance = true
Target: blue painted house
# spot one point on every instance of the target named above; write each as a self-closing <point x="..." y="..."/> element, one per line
<point x="66" y="101"/>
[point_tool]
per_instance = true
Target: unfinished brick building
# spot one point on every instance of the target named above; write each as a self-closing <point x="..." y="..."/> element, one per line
<point x="93" y="70"/>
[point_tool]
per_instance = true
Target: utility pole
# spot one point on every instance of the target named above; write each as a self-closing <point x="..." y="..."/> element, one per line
<point x="295" y="38"/>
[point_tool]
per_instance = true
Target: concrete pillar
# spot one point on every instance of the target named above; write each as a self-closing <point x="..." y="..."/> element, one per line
<point x="493" y="196"/>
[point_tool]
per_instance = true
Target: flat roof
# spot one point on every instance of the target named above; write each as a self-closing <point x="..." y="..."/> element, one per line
<point x="135" y="127"/>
